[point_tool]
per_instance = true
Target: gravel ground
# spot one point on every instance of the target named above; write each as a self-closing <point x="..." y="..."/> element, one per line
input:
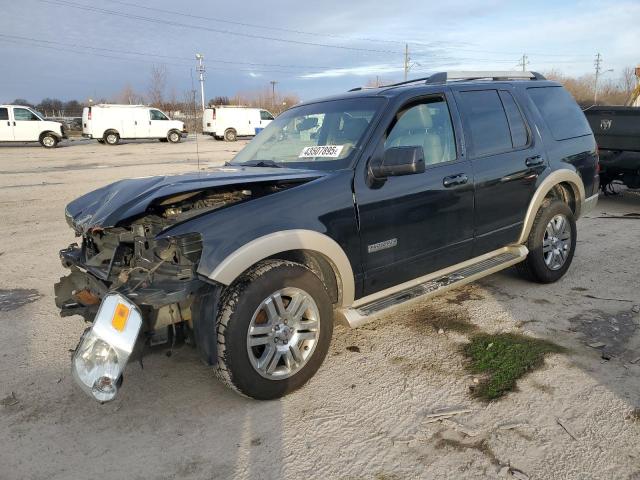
<point x="365" y="415"/>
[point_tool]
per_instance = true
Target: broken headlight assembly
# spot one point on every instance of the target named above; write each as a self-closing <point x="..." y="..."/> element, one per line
<point x="104" y="349"/>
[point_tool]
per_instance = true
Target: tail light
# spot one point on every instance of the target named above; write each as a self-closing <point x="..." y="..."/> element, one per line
<point x="89" y="114"/>
<point x="213" y="114"/>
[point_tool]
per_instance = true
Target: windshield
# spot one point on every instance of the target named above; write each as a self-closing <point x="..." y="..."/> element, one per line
<point x="322" y="135"/>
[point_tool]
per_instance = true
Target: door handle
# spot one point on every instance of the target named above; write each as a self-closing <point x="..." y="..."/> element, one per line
<point x="149" y="122"/>
<point x="14" y="123"/>
<point x="453" y="180"/>
<point x="135" y="122"/>
<point x="534" y="161"/>
<point x="8" y="124"/>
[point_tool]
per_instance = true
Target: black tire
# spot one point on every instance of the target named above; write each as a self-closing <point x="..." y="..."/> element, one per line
<point x="174" y="136"/>
<point x="111" y="137"/>
<point x="230" y="135"/>
<point x="218" y="138"/>
<point x="48" y="140"/>
<point x="534" y="267"/>
<point x="100" y="140"/>
<point x="239" y="304"/>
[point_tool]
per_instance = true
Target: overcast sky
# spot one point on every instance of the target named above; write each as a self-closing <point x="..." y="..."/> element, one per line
<point x="77" y="49"/>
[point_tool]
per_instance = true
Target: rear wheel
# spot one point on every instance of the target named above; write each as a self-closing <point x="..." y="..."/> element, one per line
<point x="551" y="243"/>
<point x="48" y="140"/>
<point x="274" y="329"/>
<point x="112" y="138"/>
<point x="173" y="136"/>
<point x="230" y="135"/>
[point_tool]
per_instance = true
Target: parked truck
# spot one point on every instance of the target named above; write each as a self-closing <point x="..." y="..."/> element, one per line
<point x="617" y="132"/>
<point x="230" y="122"/>
<point x="23" y="124"/>
<point x="109" y="123"/>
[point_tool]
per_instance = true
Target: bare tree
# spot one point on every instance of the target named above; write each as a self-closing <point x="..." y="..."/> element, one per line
<point x="264" y="98"/>
<point x="128" y="96"/>
<point x="157" y="85"/>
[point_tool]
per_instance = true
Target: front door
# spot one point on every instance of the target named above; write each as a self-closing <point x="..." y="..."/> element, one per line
<point x="158" y="126"/>
<point x="416" y="224"/>
<point x="26" y="125"/>
<point x="6" y="127"/>
<point x="506" y="159"/>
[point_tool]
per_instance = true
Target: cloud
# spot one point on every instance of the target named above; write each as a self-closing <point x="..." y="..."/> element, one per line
<point x="363" y="71"/>
<point x="255" y="75"/>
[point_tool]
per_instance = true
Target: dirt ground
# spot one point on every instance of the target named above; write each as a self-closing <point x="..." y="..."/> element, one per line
<point x="366" y="414"/>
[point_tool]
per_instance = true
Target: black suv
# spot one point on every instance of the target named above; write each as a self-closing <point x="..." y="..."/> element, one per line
<point x="341" y="208"/>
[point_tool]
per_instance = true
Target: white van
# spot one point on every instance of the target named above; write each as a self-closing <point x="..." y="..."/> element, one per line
<point x="108" y="123"/>
<point x="231" y="122"/>
<point x="23" y="124"/>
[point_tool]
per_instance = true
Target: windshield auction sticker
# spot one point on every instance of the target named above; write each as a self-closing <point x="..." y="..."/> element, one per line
<point x="327" y="151"/>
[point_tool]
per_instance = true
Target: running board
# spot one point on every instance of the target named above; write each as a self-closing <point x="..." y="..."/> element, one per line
<point x="372" y="306"/>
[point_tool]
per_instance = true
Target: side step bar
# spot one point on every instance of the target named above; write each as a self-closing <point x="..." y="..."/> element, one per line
<point x="372" y="306"/>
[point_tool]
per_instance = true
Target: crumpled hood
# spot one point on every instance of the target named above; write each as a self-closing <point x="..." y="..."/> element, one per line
<point x="109" y="205"/>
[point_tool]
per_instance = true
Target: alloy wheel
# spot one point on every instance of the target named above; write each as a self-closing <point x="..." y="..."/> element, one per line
<point x="556" y="243"/>
<point x="283" y="333"/>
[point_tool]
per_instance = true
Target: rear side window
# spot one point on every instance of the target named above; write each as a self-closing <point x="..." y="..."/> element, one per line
<point x="519" y="132"/>
<point x="4" y="114"/>
<point x="560" y="112"/>
<point x="487" y="122"/>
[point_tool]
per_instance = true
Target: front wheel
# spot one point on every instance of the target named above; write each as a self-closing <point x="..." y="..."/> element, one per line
<point x="551" y="243"/>
<point x="274" y="329"/>
<point x="174" y="137"/>
<point x="48" y="140"/>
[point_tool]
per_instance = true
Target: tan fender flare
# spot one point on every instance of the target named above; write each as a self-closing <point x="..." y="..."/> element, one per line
<point x="263" y="247"/>
<point x="559" y="176"/>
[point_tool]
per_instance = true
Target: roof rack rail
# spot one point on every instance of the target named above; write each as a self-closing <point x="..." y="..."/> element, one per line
<point x="443" y="77"/>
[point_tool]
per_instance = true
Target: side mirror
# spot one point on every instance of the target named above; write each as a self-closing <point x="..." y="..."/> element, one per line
<point x="398" y="161"/>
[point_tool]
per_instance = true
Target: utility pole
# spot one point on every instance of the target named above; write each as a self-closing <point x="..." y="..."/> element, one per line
<point x="273" y="93"/>
<point x="406" y="61"/>
<point x="598" y="64"/>
<point x="200" y="69"/>
<point x="524" y="61"/>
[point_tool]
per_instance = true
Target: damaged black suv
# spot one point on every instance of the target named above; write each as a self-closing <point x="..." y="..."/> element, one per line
<point x="342" y="208"/>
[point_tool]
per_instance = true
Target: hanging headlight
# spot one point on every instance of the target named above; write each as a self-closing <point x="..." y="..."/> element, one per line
<point x="104" y="349"/>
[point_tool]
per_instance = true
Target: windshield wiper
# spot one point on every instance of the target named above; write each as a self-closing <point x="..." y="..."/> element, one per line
<point x="263" y="163"/>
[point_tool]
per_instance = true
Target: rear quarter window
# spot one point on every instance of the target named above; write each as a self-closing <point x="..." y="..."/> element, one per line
<point x="560" y="112"/>
<point x="4" y="114"/>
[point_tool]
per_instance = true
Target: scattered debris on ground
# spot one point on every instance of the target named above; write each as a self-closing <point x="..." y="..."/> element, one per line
<point x="504" y="358"/>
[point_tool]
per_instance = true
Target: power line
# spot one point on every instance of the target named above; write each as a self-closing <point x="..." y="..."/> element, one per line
<point x="131" y="52"/>
<point x="324" y="34"/>
<point x="263" y="27"/>
<point x="131" y="16"/>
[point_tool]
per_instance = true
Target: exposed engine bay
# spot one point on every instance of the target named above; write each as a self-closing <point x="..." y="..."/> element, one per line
<point x="159" y="275"/>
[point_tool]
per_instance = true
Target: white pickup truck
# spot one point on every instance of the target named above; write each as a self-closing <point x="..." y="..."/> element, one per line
<point x="23" y="124"/>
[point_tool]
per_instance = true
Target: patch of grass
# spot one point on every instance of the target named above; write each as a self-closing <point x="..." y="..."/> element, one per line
<point x="504" y="358"/>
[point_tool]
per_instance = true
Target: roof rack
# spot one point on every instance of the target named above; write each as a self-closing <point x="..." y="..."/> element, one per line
<point x="443" y="77"/>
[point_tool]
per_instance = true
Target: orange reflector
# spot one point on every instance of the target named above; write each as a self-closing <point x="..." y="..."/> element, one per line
<point x="120" y="317"/>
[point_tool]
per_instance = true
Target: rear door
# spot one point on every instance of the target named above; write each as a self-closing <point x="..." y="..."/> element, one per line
<point x="141" y="120"/>
<point x="6" y="127"/>
<point x="86" y="120"/>
<point x="507" y="160"/>
<point x="416" y="224"/>
<point x="26" y="125"/>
